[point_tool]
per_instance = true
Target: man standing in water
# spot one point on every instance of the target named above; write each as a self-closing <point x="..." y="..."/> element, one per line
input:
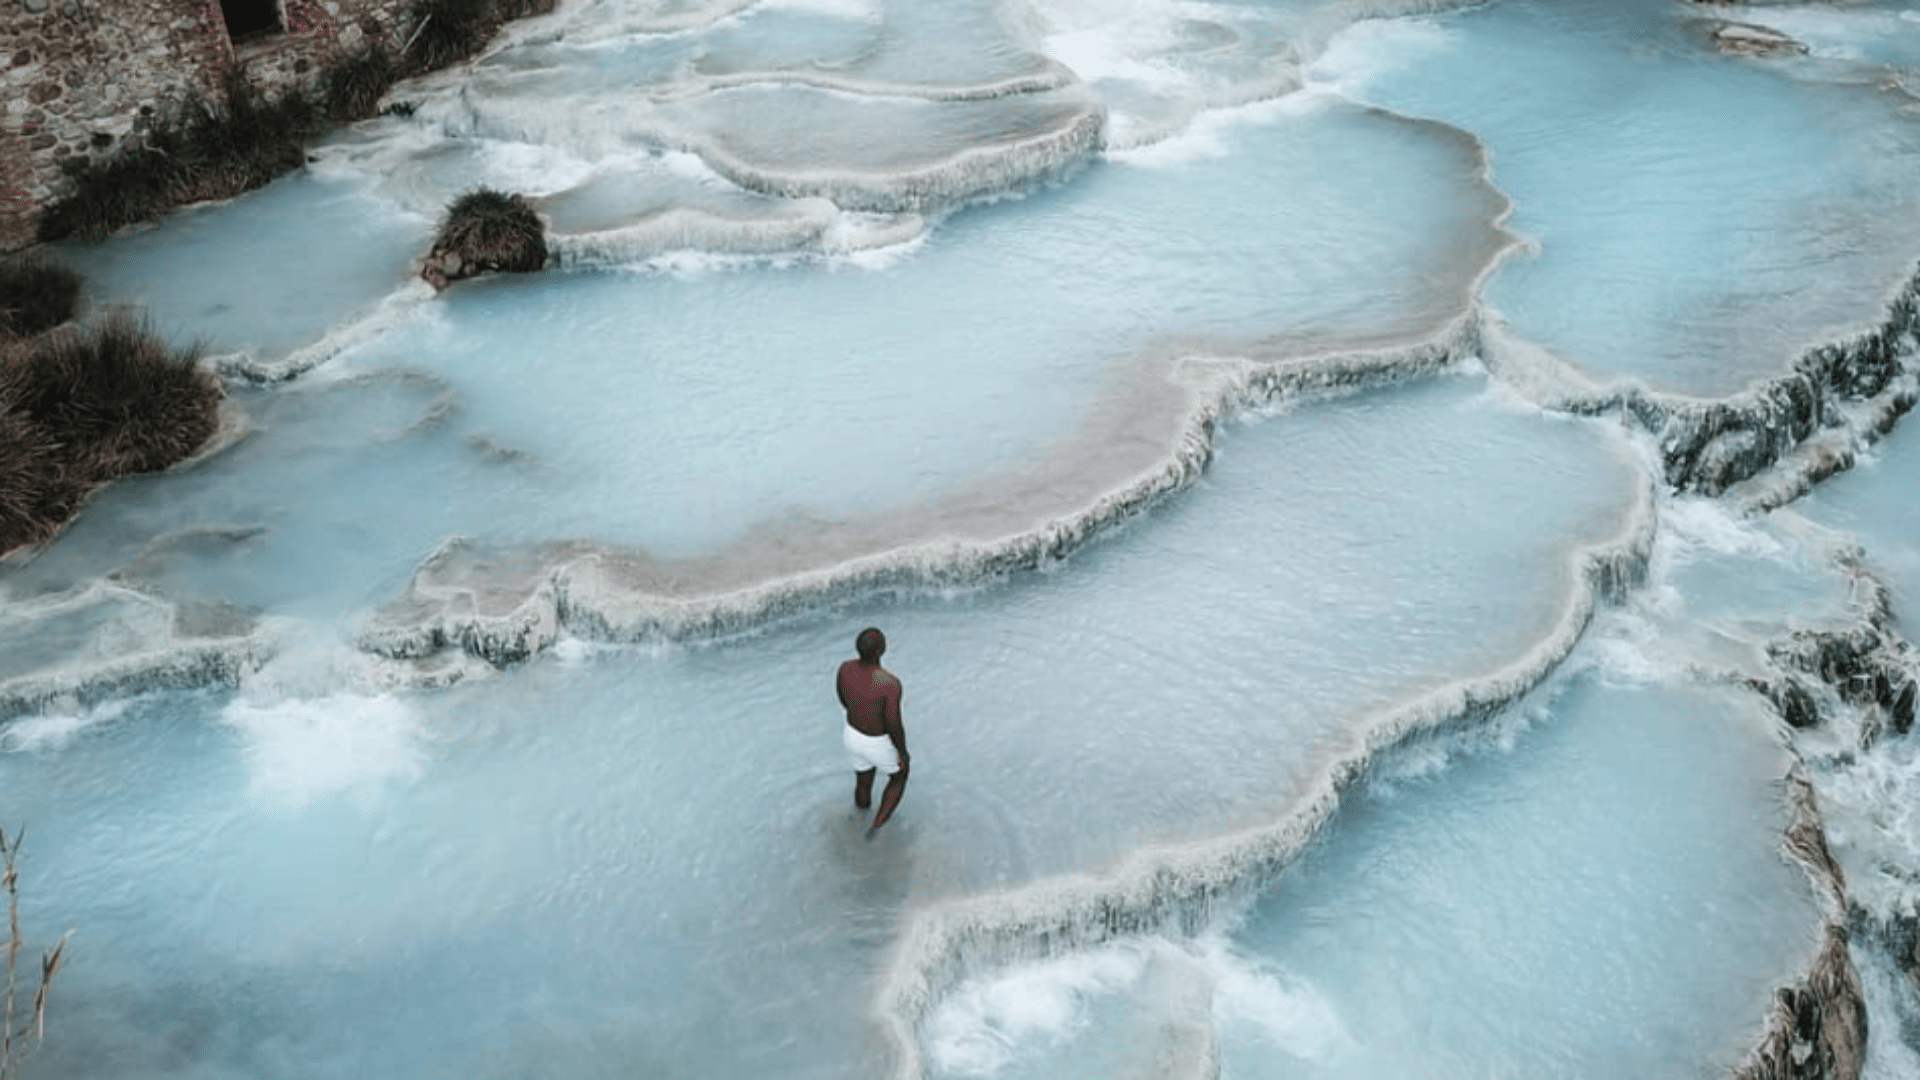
<point x="873" y="735"/>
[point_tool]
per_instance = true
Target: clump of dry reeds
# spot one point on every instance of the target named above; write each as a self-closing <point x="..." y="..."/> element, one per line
<point x="15" y="1031"/>
<point x="449" y="31"/>
<point x="36" y="494"/>
<point x="486" y="230"/>
<point x="357" y="80"/>
<point x="219" y="149"/>
<point x="79" y="407"/>
<point x="35" y="296"/>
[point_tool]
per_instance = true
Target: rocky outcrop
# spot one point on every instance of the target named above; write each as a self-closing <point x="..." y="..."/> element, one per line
<point x="144" y="644"/>
<point x="1817" y="1029"/>
<point x="1791" y="699"/>
<point x="1706" y="447"/>
<point x="1863" y="663"/>
<point x="1867" y="663"/>
<point x="1764" y="445"/>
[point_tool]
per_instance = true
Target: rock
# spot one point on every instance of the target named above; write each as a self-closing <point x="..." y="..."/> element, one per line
<point x="1796" y="705"/>
<point x="1745" y="39"/>
<point x="1819" y="1029"/>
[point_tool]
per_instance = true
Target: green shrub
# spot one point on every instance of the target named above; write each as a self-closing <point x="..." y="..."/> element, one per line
<point x="35" y="297"/>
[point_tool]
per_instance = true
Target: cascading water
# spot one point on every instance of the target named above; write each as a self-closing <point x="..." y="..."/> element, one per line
<point x="1256" y="426"/>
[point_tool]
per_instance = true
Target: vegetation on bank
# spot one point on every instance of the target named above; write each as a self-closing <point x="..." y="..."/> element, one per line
<point x="81" y="406"/>
<point x="35" y="297"/>
<point x="217" y="151"/>
<point x="449" y="31"/>
<point x="221" y="148"/>
<point x="486" y="230"/>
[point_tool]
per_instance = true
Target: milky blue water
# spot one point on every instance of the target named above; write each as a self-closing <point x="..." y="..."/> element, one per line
<point x="1518" y="872"/>
<point x="1410" y="735"/>
<point x="1875" y="503"/>
<point x="1635" y="178"/>
<point x="637" y="761"/>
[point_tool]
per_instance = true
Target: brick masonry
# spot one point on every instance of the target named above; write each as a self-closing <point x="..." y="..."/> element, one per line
<point x="78" y="78"/>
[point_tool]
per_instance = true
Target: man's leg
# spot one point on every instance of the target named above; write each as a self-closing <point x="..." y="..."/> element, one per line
<point x="890" y="798"/>
<point x="863" y="788"/>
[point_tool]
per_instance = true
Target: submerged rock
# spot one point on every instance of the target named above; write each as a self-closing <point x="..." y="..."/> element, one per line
<point x="1746" y="39"/>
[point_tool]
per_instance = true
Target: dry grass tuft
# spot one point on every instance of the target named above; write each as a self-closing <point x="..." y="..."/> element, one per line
<point x="35" y="296"/>
<point x="356" y="82"/>
<point x="79" y="407"/>
<point x="449" y="31"/>
<point x="486" y="230"/>
<point x="219" y="150"/>
<point x="14" y="1035"/>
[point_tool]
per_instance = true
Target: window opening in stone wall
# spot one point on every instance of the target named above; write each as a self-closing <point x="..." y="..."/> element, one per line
<point x="250" y="18"/>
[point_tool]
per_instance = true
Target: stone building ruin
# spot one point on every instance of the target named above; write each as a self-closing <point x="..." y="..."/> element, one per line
<point x="79" y="78"/>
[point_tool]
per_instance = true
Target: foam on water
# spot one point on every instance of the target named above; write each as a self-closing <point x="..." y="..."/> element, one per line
<point x="984" y="1026"/>
<point x="1884" y="36"/>
<point x="1590" y="911"/>
<point x="1890" y="1054"/>
<point x="1130" y="1009"/>
<point x="300" y="750"/>
<point x="54" y="730"/>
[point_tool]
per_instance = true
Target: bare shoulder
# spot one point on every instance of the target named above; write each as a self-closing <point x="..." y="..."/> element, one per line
<point x="887" y="678"/>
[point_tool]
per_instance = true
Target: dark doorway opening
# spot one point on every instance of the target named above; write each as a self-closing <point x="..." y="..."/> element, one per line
<point x="250" y="18"/>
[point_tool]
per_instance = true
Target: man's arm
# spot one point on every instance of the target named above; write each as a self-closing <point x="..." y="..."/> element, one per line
<point x="896" y="731"/>
<point x="840" y="685"/>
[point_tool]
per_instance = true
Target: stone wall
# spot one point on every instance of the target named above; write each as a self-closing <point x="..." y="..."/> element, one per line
<point x="80" y="77"/>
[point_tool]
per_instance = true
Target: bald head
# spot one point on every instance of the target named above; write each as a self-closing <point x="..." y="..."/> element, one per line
<point x="870" y="644"/>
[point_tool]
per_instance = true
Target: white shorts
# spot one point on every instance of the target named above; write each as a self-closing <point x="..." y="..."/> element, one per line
<point x="870" y="751"/>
